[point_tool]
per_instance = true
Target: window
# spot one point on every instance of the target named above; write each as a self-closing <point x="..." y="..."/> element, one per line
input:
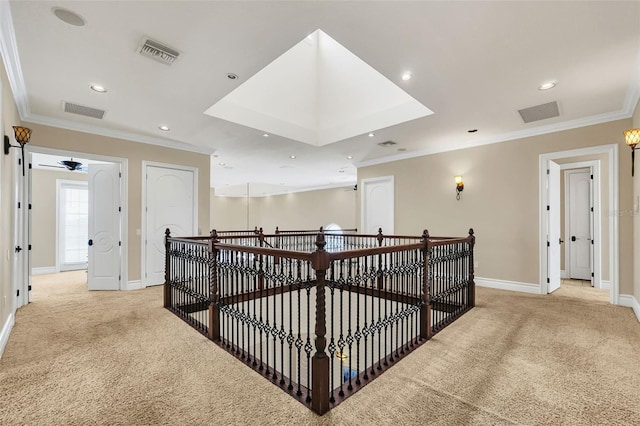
<point x="73" y="215"/>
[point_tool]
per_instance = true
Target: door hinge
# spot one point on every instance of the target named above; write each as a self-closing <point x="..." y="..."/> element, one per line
<point x="30" y="169"/>
<point x="120" y="243"/>
<point x="29" y="287"/>
<point x="119" y="277"/>
<point x="19" y="204"/>
<point x="119" y="209"/>
<point x="592" y="275"/>
<point x="19" y="161"/>
<point x="548" y="280"/>
<point x="18" y="294"/>
<point x="592" y="209"/>
<point x="29" y="206"/>
<point x="548" y="245"/>
<point x="29" y="246"/>
<point x="548" y="207"/>
<point x="592" y="241"/>
<point x="119" y="174"/>
<point x="591" y="177"/>
<point x="547" y="171"/>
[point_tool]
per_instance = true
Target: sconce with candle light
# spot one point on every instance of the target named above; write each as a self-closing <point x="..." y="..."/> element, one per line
<point x="23" y="135"/>
<point x="632" y="138"/>
<point x="459" y="186"/>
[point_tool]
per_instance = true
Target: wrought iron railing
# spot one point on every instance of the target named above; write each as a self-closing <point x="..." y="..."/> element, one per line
<point x="320" y="322"/>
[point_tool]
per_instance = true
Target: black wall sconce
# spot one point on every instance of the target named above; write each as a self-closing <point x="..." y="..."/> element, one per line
<point x="22" y="137"/>
<point x="632" y="138"/>
<point x="459" y="186"/>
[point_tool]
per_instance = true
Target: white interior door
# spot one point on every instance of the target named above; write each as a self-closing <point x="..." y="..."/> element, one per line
<point x="20" y="240"/>
<point x="579" y="211"/>
<point x="378" y="205"/>
<point x="104" y="227"/>
<point x="553" y="226"/>
<point x="170" y="203"/>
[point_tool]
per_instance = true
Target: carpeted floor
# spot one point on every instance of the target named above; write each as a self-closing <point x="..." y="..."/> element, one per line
<point x="76" y="357"/>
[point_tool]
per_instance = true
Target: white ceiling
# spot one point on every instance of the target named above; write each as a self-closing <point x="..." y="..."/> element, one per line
<point x="474" y="64"/>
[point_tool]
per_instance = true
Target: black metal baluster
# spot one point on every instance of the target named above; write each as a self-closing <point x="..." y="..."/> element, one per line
<point x="349" y="339"/>
<point x="341" y="342"/>
<point x="358" y="334"/>
<point x="365" y="328"/>
<point x="307" y="347"/>
<point x="332" y="345"/>
<point x="299" y="338"/>
<point x="291" y="281"/>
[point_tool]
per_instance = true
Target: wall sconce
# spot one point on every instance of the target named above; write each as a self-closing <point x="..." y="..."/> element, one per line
<point x="459" y="186"/>
<point x="22" y="137"/>
<point x="632" y="138"/>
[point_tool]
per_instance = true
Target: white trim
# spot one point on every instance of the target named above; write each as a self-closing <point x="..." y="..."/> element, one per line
<point x="124" y="197"/>
<point x="630" y="301"/>
<point x="143" y="237"/>
<point x="362" y="185"/>
<point x="611" y="206"/>
<point x="6" y="331"/>
<point x="11" y="59"/>
<point x="134" y="285"/>
<point x="605" y="285"/>
<point x="507" y="285"/>
<point x="44" y="270"/>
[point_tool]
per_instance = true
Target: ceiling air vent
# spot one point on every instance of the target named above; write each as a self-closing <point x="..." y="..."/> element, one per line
<point x="158" y="51"/>
<point x="387" y="143"/>
<point x="83" y="110"/>
<point x="539" y="112"/>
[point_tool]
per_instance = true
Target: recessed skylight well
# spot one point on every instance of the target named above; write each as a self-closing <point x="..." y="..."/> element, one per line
<point x="318" y="92"/>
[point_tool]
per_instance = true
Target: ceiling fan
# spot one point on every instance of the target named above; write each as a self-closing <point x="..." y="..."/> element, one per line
<point x="66" y="164"/>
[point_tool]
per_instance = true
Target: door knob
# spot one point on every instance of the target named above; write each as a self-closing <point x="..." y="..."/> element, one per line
<point x="573" y="238"/>
<point x="90" y="242"/>
<point x="18" y="249"/>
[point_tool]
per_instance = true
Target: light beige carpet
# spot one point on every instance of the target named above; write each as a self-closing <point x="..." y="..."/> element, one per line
<point x="76" y="357"/>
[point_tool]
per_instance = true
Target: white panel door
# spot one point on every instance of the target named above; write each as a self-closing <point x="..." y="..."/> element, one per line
<point x="553" y="226"/>
<point x="104" y="227"/>
<point x="170" y="198"/>
<point x="378" y="205"/>
<point x="579" y="211"/>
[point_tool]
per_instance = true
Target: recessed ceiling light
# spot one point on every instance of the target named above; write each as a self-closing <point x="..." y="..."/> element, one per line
<point x="349" y="157"/>
<point x="164" y="128"/>
<point x="222" y="164"/>
<point x="293" y="157"/>
<point x="371" y="134"/>
<point x="232" y="76"/>
<point x="472" y="130"/>
<point x="406" y="76"/>
<point x="69" y="17"/>
<point x="266" y="135"/>
<point x="98" y="88"/>
<point x="548" y="85"/>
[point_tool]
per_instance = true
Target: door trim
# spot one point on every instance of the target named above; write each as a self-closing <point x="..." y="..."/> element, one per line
<point x="124" y="197"/>
<point x="612" y="206"/>
<point x="143" y="233"/>
<point x="363" y="201"/>
<point x="597" y="219"/>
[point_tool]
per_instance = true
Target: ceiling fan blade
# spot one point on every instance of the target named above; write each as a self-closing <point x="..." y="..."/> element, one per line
<point x="49" y="165"/>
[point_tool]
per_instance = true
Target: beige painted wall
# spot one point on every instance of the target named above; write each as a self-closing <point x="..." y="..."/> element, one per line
<point x="44" y="214"/>
<point x="500" y="199"/>
<point x="297" y="210"/>
<point x="136" y="153"/>
<point x="8" y="117"/>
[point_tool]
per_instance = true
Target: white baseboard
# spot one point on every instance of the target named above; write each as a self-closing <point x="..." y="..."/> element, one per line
<point x="605" y="285"/>
<point x="6" y="331"/>
<point x="630" y="302"/>
<point x="134" y="285"/>
<point x="508" y="285"/>
<point x="45" y="270"/>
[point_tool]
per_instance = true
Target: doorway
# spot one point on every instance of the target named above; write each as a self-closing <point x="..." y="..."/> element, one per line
<point x="550" y="219"/>
<point x="33" y="237"/>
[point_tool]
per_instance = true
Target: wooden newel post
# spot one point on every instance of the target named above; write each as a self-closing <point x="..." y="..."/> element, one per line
<point x="472" y="283"/>
<point x="167" y="269"/>
<point x="427" y="275"/>
<point x="320" y="361"/>
<point x="214" y="297"/>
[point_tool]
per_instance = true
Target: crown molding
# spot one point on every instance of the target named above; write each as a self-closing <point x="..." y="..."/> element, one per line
<point x="112" y="133"/>
<point x="11" y="59"/>
<point x="293" y="191"/>
<point x="631" y="100"/>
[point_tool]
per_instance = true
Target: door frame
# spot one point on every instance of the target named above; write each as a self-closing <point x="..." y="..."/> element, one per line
<point x="612" y="206"/>
<point x="124" y="199"/>
<point x="143" y="236"/>
<point x="594" y="167"/>
<point x="363" y="200"/>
